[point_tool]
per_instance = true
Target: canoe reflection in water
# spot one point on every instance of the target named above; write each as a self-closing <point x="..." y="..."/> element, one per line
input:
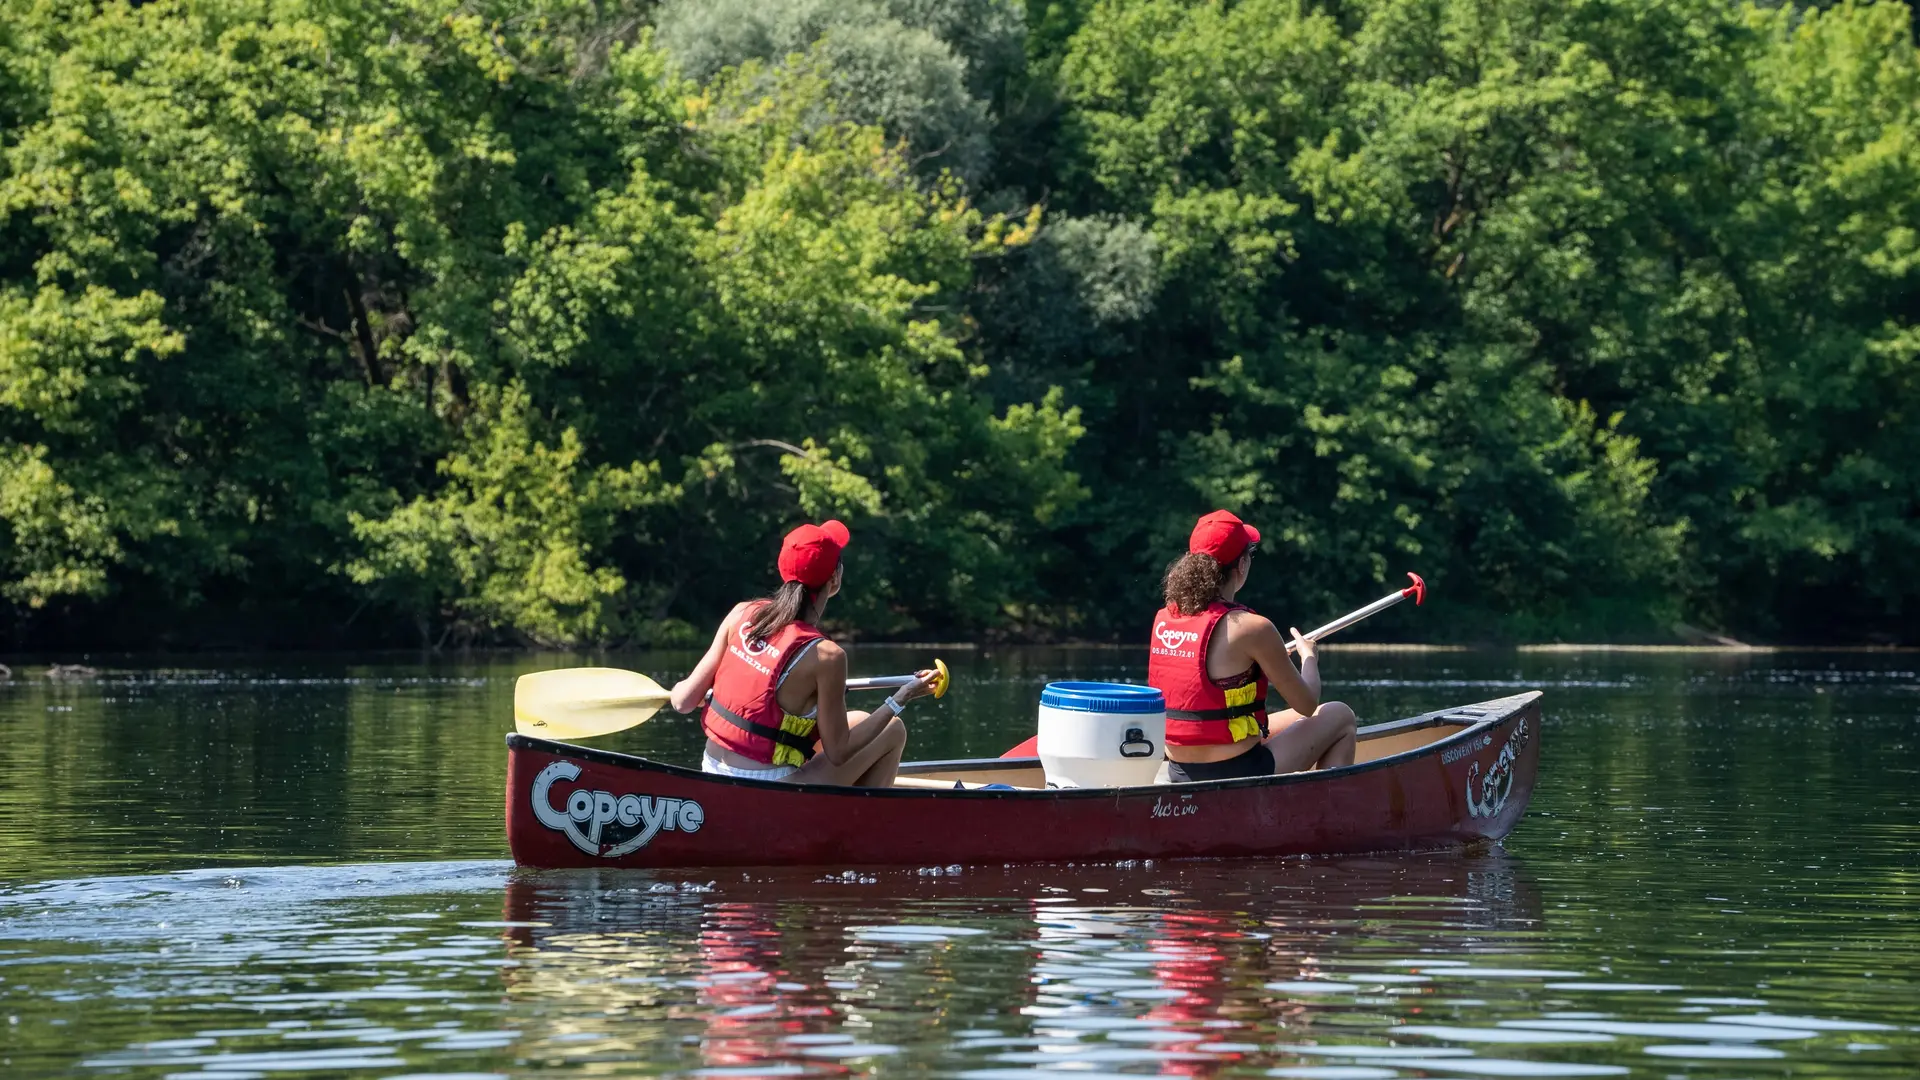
<point x="749" y="1017"/>
<point x="1187" y="965"/>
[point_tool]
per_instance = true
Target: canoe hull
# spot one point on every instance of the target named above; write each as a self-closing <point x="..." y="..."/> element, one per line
<point x="572" y="806"/>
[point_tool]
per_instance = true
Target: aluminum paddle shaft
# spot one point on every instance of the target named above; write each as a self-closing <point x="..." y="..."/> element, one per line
<point x="890" y="682"/>
<point x="1417" y="590"/>
<point x="893" y="682"/>
<point x="580" y="703"/>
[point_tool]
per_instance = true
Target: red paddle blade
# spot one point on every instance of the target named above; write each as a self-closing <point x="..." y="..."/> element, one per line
<point x="1030" y="748"/>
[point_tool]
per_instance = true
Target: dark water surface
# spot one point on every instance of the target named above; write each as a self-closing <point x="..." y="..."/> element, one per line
<point x="295" y="867"/>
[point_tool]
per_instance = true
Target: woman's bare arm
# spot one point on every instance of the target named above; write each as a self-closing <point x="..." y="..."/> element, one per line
<point x="830" y="703"/>
<point x="839" y="741"/>
<point x="1260" y="641"/>
<point x="689" y="692"/>
<point x="1309" y="655"/>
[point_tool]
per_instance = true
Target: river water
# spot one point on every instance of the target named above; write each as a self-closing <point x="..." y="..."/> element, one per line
<point x="295" y="867"/>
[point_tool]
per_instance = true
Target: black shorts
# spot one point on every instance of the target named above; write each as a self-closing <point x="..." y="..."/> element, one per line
<point x="1255" y="762"/>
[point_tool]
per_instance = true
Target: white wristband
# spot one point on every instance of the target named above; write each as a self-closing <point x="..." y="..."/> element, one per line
<point x="895" y="705"/>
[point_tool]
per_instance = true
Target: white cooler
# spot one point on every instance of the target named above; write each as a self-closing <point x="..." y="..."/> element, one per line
<point x="1095" y="734"/>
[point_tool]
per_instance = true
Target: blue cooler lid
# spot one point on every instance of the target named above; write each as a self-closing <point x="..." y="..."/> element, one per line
<point x="1103" y="697"/>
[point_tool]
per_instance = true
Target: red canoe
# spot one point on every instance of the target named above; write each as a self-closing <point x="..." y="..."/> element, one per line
<point x="1437" y="780"/>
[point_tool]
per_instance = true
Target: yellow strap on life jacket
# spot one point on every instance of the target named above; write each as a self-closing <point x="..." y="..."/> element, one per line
<point x="1240" y="727"/>
<point x="802" y="726"/>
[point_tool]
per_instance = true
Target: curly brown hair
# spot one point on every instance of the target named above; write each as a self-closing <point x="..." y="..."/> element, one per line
<point x="1193" y="581"/>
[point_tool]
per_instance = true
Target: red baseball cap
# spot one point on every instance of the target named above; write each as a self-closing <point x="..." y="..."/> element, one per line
<point x="1223" y="536"/>
<point x="809" y="553"/>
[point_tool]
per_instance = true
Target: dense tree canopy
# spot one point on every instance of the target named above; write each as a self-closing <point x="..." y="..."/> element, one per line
<point x="390" y="321"/>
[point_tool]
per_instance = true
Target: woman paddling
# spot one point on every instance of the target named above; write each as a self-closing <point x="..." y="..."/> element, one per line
<point x="779" y="684"/>
<point x="1214" y="659"/>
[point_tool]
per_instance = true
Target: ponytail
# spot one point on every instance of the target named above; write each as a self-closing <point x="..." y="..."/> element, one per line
<point x="1193" y="581"/>
<point x="778" y="611"/>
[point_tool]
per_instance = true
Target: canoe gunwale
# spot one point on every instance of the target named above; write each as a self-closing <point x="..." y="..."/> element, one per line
<point x="1471" y="719"/>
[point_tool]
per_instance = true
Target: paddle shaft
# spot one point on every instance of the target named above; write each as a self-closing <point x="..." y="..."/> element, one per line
<point x="894" y="682"/>
<point x="1417" y="590"/>
<point x="874" y="682"/>
<point x="577" y="703"/>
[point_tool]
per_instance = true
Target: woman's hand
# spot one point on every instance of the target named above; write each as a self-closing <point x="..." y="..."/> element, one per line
<point x="1302" y="647"/>
<point x="921" y="686"/>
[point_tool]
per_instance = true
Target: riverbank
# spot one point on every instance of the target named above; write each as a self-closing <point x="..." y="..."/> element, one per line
<point x="79" y="667"/>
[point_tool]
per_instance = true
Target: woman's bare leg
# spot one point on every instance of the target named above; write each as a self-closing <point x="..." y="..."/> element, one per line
<point x="886" y="765"/>
<point x="1341" y="752"/>
<point x="873" y="765"/>
<point x="1322" y="740"/>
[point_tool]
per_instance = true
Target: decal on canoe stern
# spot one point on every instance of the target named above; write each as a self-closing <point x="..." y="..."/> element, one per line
<point x="1186" y="807"/>
<point x="1487" y="796"/>
<point x="608" y="825"/>
<point x="1471" y="747"/>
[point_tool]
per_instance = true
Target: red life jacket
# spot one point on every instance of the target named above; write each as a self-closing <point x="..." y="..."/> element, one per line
<point x="744" y="713"/>
<point x="1200" y="711"/>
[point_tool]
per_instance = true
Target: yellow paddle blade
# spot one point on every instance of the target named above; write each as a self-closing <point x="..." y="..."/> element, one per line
<point x="579" y="703"/>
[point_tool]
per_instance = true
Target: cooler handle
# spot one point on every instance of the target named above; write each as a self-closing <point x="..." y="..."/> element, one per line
<point x="1136" y="737"/>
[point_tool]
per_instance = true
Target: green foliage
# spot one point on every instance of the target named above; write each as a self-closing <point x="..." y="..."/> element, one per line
<point x="1416" y="248"/>
<point x="511" y="540"/>
<point x="911" y="67"/>
<point x="469" y="320"/>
